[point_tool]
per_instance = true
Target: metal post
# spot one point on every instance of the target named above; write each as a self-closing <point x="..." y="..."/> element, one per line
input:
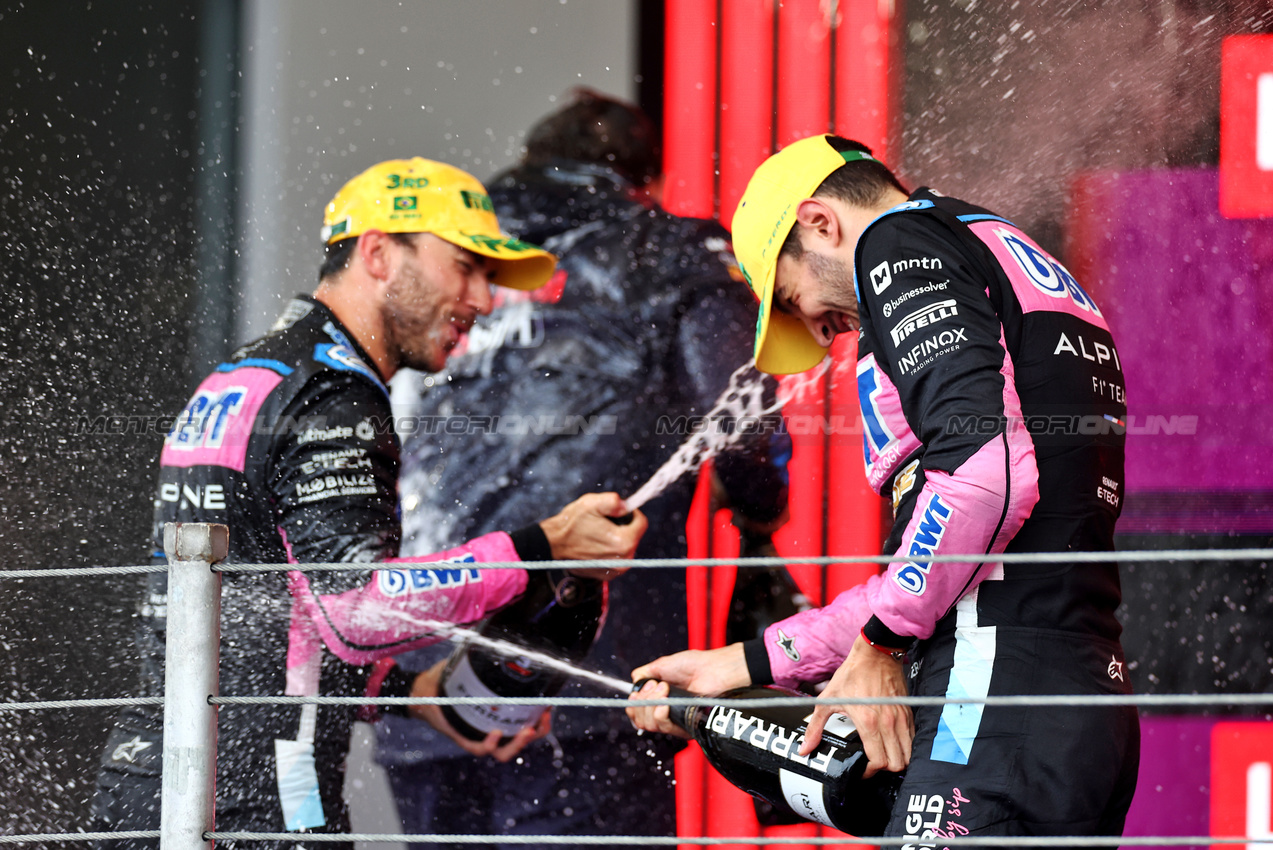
<point x="190" y="678"/>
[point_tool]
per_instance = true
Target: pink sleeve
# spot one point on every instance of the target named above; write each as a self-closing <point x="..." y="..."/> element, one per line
<point x="809" y="646"/>
<point x="401" y="609"/>
<point x="978" y="508"/>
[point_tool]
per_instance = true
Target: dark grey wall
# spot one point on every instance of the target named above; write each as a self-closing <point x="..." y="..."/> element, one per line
<point x="1199" y="628"/>
<point x="331" y="88"/>
<point x="97" y="163"/>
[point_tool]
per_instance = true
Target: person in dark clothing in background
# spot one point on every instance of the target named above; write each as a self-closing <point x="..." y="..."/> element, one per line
<point x="644" y="321"/>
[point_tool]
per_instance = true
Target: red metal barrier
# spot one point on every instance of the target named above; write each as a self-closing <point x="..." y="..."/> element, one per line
<point x="743" y="78"/>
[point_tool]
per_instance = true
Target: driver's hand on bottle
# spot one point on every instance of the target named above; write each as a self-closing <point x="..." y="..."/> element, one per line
<point x="699" y="671"/>
<point x="584" y="531"/>
<point x="887" y="730"/>
<point x="426" y="685"/>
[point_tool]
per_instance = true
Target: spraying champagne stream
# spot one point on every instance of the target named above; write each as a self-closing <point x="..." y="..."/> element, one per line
<point x="742" y="402"/>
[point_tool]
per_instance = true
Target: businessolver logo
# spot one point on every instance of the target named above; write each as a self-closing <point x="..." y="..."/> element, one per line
<point x="1242" y="781"/>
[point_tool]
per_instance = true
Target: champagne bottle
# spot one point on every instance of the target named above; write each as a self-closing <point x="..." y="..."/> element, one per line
<point x="757" y="749"/>
<point x="559" y="615"/>
<point x="762" y="596"/>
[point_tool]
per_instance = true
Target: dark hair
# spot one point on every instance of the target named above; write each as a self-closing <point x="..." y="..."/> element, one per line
<point x="600" y="130"/>
<point x="336" y="256"/>
<point x="863" y="183"/>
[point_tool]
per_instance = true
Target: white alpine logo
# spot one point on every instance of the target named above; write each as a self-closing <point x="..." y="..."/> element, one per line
<point x="128" y="750"/>
<point x="788" y="645"/>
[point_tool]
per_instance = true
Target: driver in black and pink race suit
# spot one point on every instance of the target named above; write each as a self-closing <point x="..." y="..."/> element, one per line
<point x="993" y="414"/>
<point x="291" y="443"/>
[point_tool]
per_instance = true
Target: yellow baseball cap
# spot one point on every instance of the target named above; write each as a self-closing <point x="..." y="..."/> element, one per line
<point x="764" y="217"/>
<point x="422" y="196"/>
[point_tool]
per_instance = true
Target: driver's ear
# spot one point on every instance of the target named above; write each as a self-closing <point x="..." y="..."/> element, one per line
<point x="819" y="220"/>
<point x="373" y="253"/>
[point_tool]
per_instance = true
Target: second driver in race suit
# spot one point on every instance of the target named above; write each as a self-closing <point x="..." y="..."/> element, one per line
<point x="291" y="444"/>
<point x="992" y="406"/>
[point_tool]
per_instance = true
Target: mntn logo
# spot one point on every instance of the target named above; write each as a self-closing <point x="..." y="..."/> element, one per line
<point x="913" y="578"/>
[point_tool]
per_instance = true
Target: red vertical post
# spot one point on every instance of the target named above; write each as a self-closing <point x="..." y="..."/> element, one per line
<point x="762" y="104"/>
<point x="746" y="131"/>
<point x="689" y="117"/>
<point x="804" y="70"/>
<point x="804" y="108"/>
<point x="864" y="110"/>
<point x="866" y="67"/>
<point x="689" y="151"/>
<point x="746" y="96"/>
<point x="691" y="767"/>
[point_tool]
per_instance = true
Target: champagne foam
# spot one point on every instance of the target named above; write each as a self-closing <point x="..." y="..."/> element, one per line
<point x="743" y="398"/>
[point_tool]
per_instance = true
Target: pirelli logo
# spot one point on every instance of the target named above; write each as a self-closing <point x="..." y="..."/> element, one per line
<point x="922" y="318"/>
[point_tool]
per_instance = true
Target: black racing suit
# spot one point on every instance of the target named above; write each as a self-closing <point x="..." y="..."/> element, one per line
<point x="993" y="408"/>
<point x="291" y="445"/>
<point x="586" y="384"/>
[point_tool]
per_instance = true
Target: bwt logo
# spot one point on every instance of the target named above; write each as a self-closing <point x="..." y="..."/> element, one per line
<point x="1047" y="275"/>
<point x="204" y="422"/>
<point x="913" y="578"/>
<point x="399" y="582"/>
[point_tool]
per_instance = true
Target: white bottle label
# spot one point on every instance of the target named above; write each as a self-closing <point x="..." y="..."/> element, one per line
<point x="840" y="725"/>
<point x="462" y="681"/>
<point x="804" y="795"/>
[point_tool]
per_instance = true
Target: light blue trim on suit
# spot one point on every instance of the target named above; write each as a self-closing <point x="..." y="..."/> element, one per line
<point x="975" y="650"/>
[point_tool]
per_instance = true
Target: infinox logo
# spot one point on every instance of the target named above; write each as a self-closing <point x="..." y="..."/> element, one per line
<point x="783" y="742"/>
<point x="913" y="578"/>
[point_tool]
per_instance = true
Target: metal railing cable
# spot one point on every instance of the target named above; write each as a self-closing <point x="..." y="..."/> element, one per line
<point x="657" y="841"/>
<point x="78" y="836"/>
<point x="56" y="705"/>
<point x="1130" y="556"/>
<point x="189" y="832"/>
<point x="1032" y="701"/>
<point x="81" y="572"/>
<point x="761" y="840"/>
<point x="1123" y="557"/>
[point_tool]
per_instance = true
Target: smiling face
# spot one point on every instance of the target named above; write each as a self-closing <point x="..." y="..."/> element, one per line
<point x="818" y="290"/>
<point x="434" y="295"/>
